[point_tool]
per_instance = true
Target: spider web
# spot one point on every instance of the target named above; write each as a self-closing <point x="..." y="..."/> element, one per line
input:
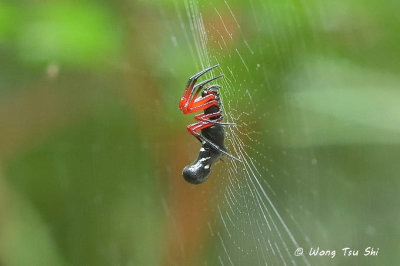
<point x="251" y="224"/>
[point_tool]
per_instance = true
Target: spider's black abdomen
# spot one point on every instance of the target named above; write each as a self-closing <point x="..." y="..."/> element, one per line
<point x="198" y="171"/>
<point x="216" y="134"/>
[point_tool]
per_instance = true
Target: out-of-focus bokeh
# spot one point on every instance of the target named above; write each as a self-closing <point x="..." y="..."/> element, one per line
<point x="92" y="143"/>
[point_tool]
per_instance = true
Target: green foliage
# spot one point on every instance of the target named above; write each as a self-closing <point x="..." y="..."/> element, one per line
<point x="71" y="34"/>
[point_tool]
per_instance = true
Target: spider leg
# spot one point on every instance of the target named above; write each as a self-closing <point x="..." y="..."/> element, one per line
<point x="196" y="89"/>
<point x="201" y="73"/>
<point x="201" y="117"/>
<point x="193" y="128"/>
<point x="205" y="118"/>
<point x="189" y="87"/>
<point x="219" y="123"/>
<point x="204" y="103"/>
<point x="219" y="149"/>
<point x="216" y="87"/>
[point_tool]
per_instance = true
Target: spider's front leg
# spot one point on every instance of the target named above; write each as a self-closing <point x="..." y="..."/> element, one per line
<point x="201" y="103"/>
<point x="189" y="94"/>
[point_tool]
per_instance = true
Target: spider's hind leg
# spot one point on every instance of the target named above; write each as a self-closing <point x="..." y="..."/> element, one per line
<point x="219" y="149"/>
<point x="214" y="136"/>
<point x="211" y="134"/>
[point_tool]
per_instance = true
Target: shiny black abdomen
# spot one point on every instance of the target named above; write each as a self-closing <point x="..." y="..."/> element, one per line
<point x="198" y="171"/>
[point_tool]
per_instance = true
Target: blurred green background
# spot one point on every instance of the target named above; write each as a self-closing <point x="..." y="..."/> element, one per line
<point x="92" y="143"/>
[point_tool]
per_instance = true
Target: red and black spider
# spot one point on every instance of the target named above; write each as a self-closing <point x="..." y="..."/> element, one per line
<point x="212" y="132"/>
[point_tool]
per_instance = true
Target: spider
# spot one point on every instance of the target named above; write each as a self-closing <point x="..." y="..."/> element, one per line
<point x="212" y="131"/>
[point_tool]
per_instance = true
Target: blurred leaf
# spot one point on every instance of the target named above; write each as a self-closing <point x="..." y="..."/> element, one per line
<point x="338" y="102"/>
<point x="69" y="33"/>
<point x="94" y="187"/>
<point x="9" y="20"/>
<point x="25" y="238"/>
